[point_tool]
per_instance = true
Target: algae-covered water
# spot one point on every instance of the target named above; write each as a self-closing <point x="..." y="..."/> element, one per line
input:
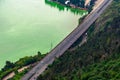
<point x="29" y="26"/>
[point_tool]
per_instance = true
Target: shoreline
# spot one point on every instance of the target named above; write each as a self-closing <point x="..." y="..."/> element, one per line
<point x="62" y="5"/>
<point x="72" y="6"/>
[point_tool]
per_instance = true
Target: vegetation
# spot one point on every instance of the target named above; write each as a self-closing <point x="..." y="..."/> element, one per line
<point x="19" y="75"/>
<point x="76" y="3"/>
<point x="13" y="67"/>
<point x="105" y="70"/>
<point x="99" y="58"/>
<point x="62" y="7"/>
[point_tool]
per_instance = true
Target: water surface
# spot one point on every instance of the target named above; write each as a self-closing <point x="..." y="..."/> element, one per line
<point x="29" y="26"/>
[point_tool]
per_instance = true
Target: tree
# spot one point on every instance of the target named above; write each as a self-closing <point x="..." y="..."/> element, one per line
<point x="39" y="53"/>
<point x="8" y="65"/>
<point x="82" y="3"/>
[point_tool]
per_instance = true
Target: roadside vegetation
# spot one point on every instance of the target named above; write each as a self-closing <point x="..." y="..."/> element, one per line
<point x="99" y="58"/>
<point x="13" y="67"/>
<point x="18" y="75"/>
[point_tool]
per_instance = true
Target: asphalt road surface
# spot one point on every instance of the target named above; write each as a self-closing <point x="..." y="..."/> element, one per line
<point x="66" y="43"/>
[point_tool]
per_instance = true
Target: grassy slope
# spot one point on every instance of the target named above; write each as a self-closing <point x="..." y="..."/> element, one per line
<point x="99" y="58"/>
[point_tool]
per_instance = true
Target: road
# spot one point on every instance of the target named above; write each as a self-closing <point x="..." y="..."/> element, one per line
<point x="66" y="43"/>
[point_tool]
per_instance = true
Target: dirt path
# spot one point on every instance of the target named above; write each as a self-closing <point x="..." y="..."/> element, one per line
<point x="87" y="2"/>
<point x="13" y="73"/>
<point x="9" y="76"/>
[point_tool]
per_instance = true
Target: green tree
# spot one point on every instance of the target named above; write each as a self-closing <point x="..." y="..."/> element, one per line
<point x="39" y="53"/>
<point x="8" y="65"/>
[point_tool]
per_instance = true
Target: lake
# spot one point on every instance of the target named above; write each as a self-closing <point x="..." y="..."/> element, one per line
<point x="29" y="26"/>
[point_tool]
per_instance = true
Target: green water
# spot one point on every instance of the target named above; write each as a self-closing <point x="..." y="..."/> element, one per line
<point x="29" y="26"/>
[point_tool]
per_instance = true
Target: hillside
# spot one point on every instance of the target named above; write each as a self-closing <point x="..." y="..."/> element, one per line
<point x="99" y="58"/>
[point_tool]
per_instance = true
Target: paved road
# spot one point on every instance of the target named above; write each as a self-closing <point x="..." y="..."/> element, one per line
<point x="66" y="43"/>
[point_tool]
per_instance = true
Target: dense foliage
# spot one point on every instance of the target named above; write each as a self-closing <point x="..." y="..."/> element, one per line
<point x="99" y="58"/>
